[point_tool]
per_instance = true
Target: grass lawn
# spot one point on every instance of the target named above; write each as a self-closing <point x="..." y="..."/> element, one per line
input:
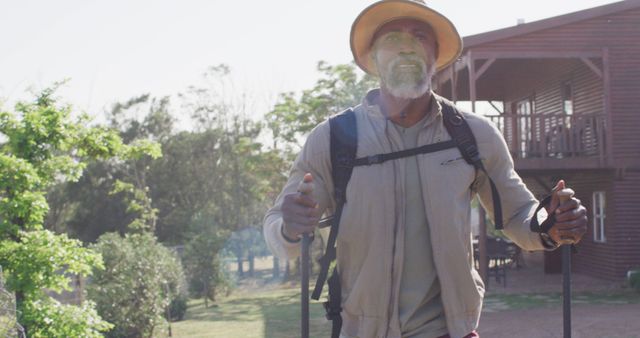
<point x="252" y="314"/>
<point x="275" y="312"/>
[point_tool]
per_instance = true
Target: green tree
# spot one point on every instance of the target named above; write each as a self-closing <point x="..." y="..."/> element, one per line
<point x="43" y="145"/>
<point x="295" y="114"/>
<point x="90" y="207"/>
<point x="141" y="278"/>
<point x="204" y="266"/>
<point x="137" y="286"/>
<point x="340" y="87"/>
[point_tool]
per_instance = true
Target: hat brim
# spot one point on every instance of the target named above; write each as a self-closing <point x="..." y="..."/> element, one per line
<point x="373" y="17"/>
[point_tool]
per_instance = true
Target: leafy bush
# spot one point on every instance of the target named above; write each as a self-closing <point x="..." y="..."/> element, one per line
<point x="207" y="276"/>
<point x="178" y="307"/>
<point x="34" y="264"/>
<point x="135" y="289"/>
<point x="48" y="318"/>
<point x="634" y="279"/>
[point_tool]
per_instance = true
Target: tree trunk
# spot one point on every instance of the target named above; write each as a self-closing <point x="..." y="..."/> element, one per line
<point x="19" y="307"/>
<point x="287" y="270"/>
<point x="276" y="267"/>
<point x="240" y="268"/>
<point x="206" y="294"/>
<point x="251" y="263"/>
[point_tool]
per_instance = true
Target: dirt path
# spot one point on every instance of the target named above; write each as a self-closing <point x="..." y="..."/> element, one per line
<point x="588" y="321"/>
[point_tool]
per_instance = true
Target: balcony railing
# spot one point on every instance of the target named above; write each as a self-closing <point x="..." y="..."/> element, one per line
<point x="553" y="135"/>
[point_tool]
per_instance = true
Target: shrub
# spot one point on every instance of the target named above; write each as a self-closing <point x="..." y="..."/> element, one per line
<point x="49" y="318"/>
<point x="634" y="279"/>
<point x="207" y="277"/>
<point x="139" y="280"/>
<point x="178" y="307"/>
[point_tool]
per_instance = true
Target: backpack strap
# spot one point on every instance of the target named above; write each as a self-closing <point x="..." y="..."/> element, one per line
<point x="425" y="149"/>
<point x="343" y="147"/>
<point x="462" y="135"/>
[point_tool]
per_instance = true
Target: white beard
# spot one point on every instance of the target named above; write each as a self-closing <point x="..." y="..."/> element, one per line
<point x="407" y="84"/>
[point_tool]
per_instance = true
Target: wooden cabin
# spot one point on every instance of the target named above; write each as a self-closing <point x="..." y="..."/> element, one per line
<point x="565" y="93"/>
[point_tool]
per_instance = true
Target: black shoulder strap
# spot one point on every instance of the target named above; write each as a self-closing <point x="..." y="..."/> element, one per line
<point x="343" y="147"/>
<point x="462" y="135"/>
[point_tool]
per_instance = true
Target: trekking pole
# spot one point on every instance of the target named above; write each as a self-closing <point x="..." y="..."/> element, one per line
<point x="304" y="283"/>
<point x="565" y="195"/>
<point x="306" y="240"/>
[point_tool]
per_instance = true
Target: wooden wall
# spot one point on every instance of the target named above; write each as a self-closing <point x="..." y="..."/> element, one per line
<point x="618" y="33"/>
<point x="618" y="37"/>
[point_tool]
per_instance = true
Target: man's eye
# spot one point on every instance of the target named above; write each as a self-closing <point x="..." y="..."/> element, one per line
<point x="392" y="38"/>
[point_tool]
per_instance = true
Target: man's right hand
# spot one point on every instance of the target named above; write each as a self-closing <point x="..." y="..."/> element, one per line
<point x="300" y="211"/>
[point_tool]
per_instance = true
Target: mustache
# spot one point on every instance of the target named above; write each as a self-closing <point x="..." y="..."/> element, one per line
<point x="407" y="59"/>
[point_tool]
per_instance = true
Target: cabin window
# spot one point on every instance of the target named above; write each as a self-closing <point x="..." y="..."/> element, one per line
<point x="599" y="202"/>
<point x="567" y="102"/>
<point x="524" y="109"/>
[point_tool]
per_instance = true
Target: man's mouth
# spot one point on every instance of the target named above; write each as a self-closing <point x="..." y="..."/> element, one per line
<point x="407" y="66"/>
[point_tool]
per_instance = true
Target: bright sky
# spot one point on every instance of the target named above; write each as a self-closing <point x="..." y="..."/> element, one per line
<point x="116" y="49"/>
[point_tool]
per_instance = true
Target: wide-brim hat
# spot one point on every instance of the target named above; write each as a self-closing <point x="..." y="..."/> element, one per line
<point x="376" y="15"/>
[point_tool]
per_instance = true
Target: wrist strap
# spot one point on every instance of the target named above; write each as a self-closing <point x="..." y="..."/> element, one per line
<point x="286" y="238"/>
<point x="548" y="223"/>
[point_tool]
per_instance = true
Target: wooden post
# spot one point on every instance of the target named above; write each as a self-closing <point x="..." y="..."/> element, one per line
<point x="543" y="134"/>
<point x="482" y="236"/>
<point x="454" y="84"/>
<point x="607" y="106"/>
<point x="472" y="81"/>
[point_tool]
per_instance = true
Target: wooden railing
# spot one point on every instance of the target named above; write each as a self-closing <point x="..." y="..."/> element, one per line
<point x="553" y="136"/>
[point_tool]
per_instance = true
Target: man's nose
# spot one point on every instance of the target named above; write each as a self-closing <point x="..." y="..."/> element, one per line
<point x="407" y="44"/>
<point x="407" y="47"/>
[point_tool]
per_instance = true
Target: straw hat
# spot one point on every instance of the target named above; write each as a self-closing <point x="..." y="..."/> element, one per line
<point x="373" y="17"/>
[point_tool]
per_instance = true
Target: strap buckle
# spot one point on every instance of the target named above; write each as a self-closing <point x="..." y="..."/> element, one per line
<point x="344" y="161"/>
<point x="327" y="258"/>
<point x="331" y="312"/>
<point x="374" y="159"/>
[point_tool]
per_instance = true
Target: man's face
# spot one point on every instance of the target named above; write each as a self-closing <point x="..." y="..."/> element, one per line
<point x="404" y="52"/>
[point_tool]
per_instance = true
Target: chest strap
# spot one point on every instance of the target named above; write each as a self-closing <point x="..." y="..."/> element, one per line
<point x="343" y="149"/>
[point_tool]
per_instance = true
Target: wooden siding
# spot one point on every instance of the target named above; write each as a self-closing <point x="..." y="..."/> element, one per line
<point x="625" y="91"/>
<point x="621" y="251"/>
<point x="619" y="33"/>
<point x="540" y="60"/>
<point x="625" y="233"/>
<point x="554" y="134"/>
<point x="595" y="259"/>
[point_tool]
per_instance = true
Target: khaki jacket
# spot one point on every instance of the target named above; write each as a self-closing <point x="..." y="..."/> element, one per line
<point x="370" y="245"/>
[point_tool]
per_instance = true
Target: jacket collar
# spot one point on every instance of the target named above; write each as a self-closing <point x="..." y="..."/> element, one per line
<point x="371" y="106"/>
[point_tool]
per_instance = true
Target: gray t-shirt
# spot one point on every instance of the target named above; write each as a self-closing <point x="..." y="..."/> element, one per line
<point x="420" y="306"/>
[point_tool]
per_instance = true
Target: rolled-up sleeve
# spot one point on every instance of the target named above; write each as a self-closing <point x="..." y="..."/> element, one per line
<point x="518" y="203"/>
<point x="314" y="158"/>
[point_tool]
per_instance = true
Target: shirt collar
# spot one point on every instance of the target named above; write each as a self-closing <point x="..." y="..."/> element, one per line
<point x="370" y="103"/>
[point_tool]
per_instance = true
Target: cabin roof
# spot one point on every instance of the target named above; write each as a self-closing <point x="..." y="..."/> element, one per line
<point x="526" y="28"/>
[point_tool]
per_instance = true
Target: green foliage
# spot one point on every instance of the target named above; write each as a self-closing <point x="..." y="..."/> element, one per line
<point x="634" y="279"/>
<point x="204" y="267"/>
<point x="178" y="307"/>
<point x="48" y="318"/>
<point x="340" y="87"/>
<point x="44" y="146"/>
<point x="138" y="203"/>
<point x="36" y="261"/>
<point x="139" y="280"/>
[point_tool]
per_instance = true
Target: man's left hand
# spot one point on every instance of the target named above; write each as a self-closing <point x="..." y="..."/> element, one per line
<point x="571" y="217"/>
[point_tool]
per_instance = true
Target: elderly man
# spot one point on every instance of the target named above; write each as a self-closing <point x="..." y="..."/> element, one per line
<point x="404" y="252"/>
